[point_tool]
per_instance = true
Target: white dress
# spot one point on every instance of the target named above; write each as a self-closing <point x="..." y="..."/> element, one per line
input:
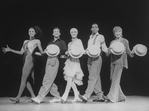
<point x="72" y="65"/>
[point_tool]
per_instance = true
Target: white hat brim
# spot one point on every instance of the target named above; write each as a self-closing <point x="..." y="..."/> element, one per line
<point x="73" y="52"/>
<point x="52" y="50"/>
<point x="143" y="47"/>
<point x="119" y="45"/>
<point x="96" y="49"/>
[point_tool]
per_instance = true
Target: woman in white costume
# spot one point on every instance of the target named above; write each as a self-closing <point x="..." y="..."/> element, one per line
<point x="72" y="71"/>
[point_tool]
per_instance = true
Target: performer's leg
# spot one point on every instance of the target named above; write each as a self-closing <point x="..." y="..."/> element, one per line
<point x="98" y="86"/>
<point x="25" y="73"/>
<point x="49" y="77"/>
<point x="113" y="94"/>
<point x="121" y="97"/>
<point x="67" y="89"/>
<point x="54" y="91"/>
<point x="93" y="76"/>
<point x="112" y="71"/>
<point x="76" y="93"/>
<point x="30" y="89"/>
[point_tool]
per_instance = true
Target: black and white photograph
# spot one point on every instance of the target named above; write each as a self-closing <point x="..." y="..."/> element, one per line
<point x="74" y="55"/>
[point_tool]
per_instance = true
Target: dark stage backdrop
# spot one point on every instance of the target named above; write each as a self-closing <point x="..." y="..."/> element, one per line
<point x="18" y="16"/>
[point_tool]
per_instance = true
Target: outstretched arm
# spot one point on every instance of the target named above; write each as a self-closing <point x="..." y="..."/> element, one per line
<point x="108" y="51"/>
<point x="8" y="49"/>
<point x="128" y="51"/>
<point x="104" y="47"/>
<point x="103" y="44"/>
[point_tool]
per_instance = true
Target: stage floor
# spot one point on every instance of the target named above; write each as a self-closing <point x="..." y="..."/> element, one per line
<point x="133" y="103"/>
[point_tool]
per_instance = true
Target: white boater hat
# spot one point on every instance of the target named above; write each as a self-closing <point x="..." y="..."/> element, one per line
<point x="52" y="50"/>
<point x="93" y="51"/>
<point x="140" y="50"/>
<point x="117" y="48"/>
<point x="76" y="52"/>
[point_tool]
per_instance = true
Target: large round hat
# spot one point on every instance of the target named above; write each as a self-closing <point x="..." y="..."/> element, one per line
<point x="140" y="50"/>
<point x="52" y="50"/>
<point x="76" y="51"/>
<point x="117" y="48"/>
<point x="93" y="51"/>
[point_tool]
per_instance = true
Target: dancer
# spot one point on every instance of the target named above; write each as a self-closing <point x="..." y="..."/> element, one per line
<point x="72" y="71"/>
<point x="118" y="62"/>
<point x="27" y="49"/>
<point x="94" y="66"/>
<point x="51" y="70"/>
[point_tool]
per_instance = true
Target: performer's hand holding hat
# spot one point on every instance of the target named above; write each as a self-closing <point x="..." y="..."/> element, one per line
<point x="52" y="50"/>
<point x="76" y="51"/>
<point x="93" y="51"/>
<point x="140" y="49"/>
<point x="117" y="48"/>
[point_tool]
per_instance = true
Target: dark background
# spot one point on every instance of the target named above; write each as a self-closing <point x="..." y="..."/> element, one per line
<point x="18" y="16"/>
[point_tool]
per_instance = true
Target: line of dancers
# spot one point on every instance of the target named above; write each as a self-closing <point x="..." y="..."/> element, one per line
<point x="73" y="74"/>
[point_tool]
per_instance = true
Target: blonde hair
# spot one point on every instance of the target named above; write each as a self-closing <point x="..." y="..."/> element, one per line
<point x="116" y="28"/>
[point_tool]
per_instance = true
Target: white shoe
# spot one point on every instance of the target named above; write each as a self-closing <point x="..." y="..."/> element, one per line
<point x="36" y="100"/>
<point x="55" y="100"/>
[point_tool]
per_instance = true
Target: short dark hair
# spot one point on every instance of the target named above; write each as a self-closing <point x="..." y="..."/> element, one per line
<point x="57" y="28"/>
<point x="95" y="24"/>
